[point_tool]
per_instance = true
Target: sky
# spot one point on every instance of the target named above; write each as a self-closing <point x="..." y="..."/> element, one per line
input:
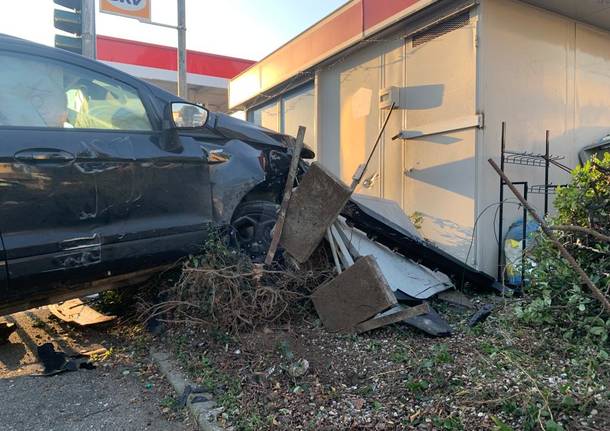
<point x="240" y="28"/>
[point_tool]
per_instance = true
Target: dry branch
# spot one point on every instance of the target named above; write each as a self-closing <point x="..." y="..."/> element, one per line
<point x="598" y="294"/>
<point x="225" y="291"/>
<point x="580" y="229"/>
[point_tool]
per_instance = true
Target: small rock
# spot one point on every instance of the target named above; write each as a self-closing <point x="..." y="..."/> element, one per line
<point x="358" y="403"/>
<point x="298" y="368"/>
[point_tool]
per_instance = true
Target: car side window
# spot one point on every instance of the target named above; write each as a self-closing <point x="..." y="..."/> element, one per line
<point x="38" y="92"/>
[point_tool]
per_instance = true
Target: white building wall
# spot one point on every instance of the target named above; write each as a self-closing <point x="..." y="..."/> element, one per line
<point x="432" y="177"/>
<point x="537" y="71"/>
<point x="440" y="169"/>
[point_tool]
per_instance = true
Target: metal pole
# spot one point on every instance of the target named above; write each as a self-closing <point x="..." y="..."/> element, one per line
<point x="88" y="36"/>
<point x="182" y="84"/>
<point x="501" y="209"/>
<point x="546" y="174"/>
<point x="524" y="237"/>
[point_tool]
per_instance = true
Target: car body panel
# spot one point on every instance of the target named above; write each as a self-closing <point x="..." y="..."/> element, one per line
<point x="3" y="273"/>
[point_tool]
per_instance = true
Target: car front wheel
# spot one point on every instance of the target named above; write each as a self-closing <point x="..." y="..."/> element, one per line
<point x="253" y="222"/>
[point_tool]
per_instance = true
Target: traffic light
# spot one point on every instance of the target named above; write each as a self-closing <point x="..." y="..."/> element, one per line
<point x="70" y="21"/>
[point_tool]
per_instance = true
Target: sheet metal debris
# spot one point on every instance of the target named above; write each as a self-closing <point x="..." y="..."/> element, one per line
<point x="431" y="323"/>
<point x="401" y="241"/>
<point x="403" y="274"/>
<point x="481" y="315"/>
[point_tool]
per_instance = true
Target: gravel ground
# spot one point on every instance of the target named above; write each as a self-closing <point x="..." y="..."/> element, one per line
<point x="123" y="392"/>
<point x="499" y="376"/>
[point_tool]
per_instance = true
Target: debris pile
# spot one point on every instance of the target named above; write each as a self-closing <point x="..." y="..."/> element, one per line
<point x="223" y="288"/>
<point x="378" y="257"/>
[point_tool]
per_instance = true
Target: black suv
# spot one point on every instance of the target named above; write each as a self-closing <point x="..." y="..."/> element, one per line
<point x="105" y="179"/>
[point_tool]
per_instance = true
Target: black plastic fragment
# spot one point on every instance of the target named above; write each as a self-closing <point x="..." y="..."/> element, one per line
<point x="57" y="362"/>
<point x="431" y="323"/>
<point x="6" y="330"/>
<point x="480" y="315"/>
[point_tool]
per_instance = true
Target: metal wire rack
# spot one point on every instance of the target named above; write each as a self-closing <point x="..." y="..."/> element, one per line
<point x="541" y="189"/>
<point x="529" y="159"/>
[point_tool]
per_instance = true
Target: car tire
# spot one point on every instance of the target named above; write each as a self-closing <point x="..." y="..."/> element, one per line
<point x="253" y="223"/>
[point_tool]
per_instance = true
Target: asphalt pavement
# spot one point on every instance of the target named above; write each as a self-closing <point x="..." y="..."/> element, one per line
<point x="116" y="395"/>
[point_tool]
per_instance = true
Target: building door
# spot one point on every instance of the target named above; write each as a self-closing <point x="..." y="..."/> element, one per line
<point x="439" y="152"/>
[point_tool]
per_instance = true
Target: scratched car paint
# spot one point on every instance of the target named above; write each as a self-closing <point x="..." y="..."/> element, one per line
<point x="99" y="187"/>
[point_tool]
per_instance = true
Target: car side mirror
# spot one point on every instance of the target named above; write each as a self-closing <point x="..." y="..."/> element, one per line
<point x="187" y="115"/>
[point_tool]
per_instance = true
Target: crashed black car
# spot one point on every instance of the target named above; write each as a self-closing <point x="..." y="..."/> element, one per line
<point x="105" y="179"/>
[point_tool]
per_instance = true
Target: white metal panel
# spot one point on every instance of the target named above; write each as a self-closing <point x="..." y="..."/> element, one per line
<point x="526" y="80"/>
<point x="439" y="170"/>
<point x="594" y="12"/>
<point x="359" y="85"/>
<point x="592" y="86"/>
<point x="401" y="273"/>
<point x="392" y="151"/>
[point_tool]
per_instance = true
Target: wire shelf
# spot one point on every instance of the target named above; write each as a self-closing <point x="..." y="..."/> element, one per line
<point x="538" y="189"/>
<point x="528" y="159"/>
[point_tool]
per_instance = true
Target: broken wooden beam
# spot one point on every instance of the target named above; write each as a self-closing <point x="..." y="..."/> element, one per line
<point x="281" y="218"/>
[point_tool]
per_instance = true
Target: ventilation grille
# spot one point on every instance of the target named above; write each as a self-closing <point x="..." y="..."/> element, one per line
<point x="445" y="27"/>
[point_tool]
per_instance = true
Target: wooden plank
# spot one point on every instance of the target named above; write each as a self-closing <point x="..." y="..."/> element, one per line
<point x="292" y="173"/>
<point x="357" y="294"/>
<point x="389" y="319"/>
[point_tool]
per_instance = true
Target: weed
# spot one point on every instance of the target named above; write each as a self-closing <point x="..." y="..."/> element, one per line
<point x="448" y="424"/>
<point x="442" y="355"/>
<point x="417" y="386"/>
<point x="169" y="402"/>
<point x="400" y="356"/>
<point x="374" y="346"/>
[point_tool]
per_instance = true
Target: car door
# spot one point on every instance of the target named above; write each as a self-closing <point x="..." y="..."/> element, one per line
<point x="80" y="153"/>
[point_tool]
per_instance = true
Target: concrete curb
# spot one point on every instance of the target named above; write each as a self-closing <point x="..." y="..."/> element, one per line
<point x="204" y="413"/>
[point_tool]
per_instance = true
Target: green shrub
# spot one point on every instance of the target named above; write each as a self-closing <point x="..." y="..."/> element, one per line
<point x="557" y="296"/>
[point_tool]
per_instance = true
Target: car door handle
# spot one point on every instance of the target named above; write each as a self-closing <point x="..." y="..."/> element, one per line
<point x="48" y="155"/>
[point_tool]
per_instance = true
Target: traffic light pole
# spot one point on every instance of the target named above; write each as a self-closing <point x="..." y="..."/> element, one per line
<point x="182" y="83"/>
<point x="88" y="17"/>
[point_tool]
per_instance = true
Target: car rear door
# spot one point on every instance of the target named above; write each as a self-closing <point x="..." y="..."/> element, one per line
<point x="87" y="189"/>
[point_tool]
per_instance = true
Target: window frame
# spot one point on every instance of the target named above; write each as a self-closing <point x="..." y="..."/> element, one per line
<point x="309" y="86"/>
<point x="119" y="77"/>
<point x="280" y="100"/>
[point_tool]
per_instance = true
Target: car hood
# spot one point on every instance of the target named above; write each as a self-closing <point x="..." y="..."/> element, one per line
<point x="234" y="128"/>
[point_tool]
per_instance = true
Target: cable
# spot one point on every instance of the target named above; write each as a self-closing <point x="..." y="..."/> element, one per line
<point x="476" y="222"/>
